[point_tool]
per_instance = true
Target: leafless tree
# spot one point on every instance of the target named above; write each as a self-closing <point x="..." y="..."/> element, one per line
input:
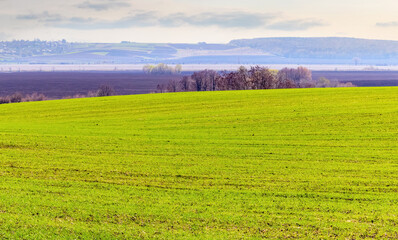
<point x="204" y="80"/>
<point x="161" y="88"/>
<point x="172" y="86"/>
<point x="296" y="74"/>
<point x="221" y="81"/>
<point x="262" y="78"/>
<point x="105" y="90"/>
<point x="185" y="84"/>
<point x="237" y="80"/>
<point x="283" y="82"/>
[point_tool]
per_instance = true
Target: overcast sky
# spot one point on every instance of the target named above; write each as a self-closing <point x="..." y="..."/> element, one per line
<point x="217" y="21"/>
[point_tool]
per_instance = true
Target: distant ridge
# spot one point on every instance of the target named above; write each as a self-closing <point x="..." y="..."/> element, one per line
<point x="284" y="50"/>
<point x="323" y="47"/>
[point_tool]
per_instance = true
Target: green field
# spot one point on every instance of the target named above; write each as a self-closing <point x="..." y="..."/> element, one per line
<point x="300" y="163"/>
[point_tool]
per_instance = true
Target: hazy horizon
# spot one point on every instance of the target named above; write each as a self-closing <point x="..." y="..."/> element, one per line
<point x="197" y="42"/>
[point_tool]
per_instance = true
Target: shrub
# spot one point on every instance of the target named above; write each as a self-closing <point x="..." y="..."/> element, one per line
<point x="4" y="100"/>
<point x="105" y="90"/>
<point x="34" y="97"/>
<point x="16" y="97"/>
<point x="347" y="84"/>
<point x="79" y="95"/>
<point x="307" y="83"/>
<point x="90" y="94"/>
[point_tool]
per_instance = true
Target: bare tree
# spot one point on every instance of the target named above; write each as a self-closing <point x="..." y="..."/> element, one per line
<point x="105" y="90"/>
<point x="212" y="78"/>
<point x="242" y="79"/>
<point x="283" y="82"/>
<point x="204" y="80"/>
<point x="297" y="75"/>
<point x="198" y="80"/>
<point x="172" y="86"/>
<point x="237" y="80"/>
<point x="161" y="88"/>
<point x="304" y="73"/>
<point x="185" y="84"/>
<point x="221" y="81"/>
<point x="262" y="78"/>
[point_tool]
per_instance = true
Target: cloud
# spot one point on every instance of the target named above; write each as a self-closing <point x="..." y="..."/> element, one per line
<point x="104" y="5"/>
<point x="296" y="25"/>
<point x="232" y="20"/>
<point x="148" y="19"/>
<point x="3" y="36"/>
<point x="145" y="19"/>
<point x="42" y="17"/>
<point x="224" y="20"/>
<point x="387" y="24"/>
<point x="54" y="19"/>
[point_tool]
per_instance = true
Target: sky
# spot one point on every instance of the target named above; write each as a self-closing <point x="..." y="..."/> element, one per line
<point x="192" y="21"/>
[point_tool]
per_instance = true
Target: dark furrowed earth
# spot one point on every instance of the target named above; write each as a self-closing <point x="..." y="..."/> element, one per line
<point x="361" y="78"/>
<point x="56" y="85"/>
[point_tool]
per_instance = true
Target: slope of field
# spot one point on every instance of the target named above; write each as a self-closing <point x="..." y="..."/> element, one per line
<point x="299" y="163"/>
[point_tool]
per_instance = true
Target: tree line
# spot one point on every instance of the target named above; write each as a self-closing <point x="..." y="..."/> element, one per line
<point x="161" y="69"/>
<point x="245" y="79"/>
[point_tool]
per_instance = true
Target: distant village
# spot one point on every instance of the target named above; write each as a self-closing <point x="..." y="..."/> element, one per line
<point x="22" y="48"/>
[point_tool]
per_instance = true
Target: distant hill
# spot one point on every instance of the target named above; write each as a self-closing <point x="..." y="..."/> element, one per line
<point x="331" y="50"/>
<point x="323" y="48"/>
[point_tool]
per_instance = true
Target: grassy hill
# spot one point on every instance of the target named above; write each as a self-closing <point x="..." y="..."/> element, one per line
<point x="309" y="163"/>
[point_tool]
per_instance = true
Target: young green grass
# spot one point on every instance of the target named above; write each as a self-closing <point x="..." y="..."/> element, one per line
<point x="300" y="163"/>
